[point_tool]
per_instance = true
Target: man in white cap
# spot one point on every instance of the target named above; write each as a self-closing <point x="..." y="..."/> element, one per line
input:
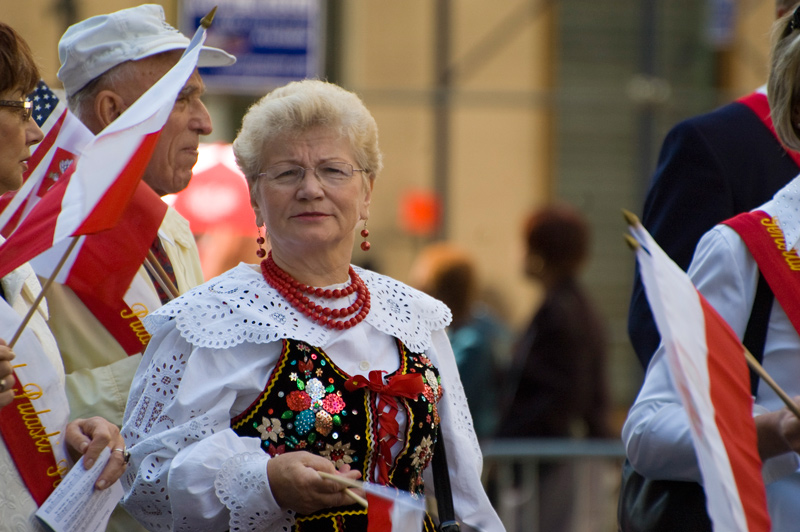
<point x="107" y="62"/>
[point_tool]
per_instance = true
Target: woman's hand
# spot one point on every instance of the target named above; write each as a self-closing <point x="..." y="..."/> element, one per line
<point x="6" y="374"/>
<point x="296" y="485"/>
<point x="778" y="432"/>
<point x="87" y="437"/>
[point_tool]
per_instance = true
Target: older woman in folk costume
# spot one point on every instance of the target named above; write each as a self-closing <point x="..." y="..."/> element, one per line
<point x="33" y="405"/>
<point x="725" y="269"/>
<point x="268" y="374"/>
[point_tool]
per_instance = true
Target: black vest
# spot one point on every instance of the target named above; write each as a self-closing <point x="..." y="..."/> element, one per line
<point x="305" y="406"/>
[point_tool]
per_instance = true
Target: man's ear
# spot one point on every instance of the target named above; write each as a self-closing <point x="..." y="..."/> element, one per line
<point x="108" y="105"/>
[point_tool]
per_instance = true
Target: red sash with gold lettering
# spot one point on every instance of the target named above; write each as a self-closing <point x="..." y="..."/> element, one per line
<point x="32" y="426"/>
<point x="780" y="266"/>
<point x="758" y="103"/>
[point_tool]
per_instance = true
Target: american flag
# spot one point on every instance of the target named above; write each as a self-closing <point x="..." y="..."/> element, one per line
<point x="45" y="102"/>
<point x="64" y="138"/>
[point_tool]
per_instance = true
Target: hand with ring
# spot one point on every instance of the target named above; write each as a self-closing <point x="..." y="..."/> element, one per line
<point x="87" y="437"/>
<point x="7" y="380"/>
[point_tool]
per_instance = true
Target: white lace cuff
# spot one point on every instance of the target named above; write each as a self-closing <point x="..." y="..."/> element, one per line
<point x="242" y="486"/>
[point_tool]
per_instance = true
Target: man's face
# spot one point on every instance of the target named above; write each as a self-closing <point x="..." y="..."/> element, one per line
<point x="170" y="168"/>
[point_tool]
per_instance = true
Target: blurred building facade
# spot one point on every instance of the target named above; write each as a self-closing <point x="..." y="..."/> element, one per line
<point x="498" y="107"/>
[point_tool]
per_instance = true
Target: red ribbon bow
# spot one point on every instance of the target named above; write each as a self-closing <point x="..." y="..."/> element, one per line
<point x="409" y="385"/>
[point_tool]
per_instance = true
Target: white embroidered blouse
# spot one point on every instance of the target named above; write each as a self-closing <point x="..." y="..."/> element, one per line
<point x="211" y="354"/>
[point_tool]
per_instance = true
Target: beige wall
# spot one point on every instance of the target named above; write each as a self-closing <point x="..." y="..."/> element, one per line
<point x="747" y="60"/>
<point x="500" y="149"/>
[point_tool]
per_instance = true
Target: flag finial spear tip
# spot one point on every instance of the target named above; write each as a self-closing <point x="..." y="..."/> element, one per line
<point x="632" y="243"/>
<point x="631" y="218"/>
<point x="208" y="19"/>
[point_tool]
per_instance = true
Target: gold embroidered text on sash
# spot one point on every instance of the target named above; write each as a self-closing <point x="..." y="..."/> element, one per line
<point x="790" y="256"/>
<point x="136" y="313"/>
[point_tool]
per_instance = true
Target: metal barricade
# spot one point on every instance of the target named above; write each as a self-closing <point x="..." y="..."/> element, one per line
<point x="587" y="474"/>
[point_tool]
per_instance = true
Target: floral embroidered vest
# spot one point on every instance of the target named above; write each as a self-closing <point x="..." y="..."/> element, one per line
<point x="306" y="406"/>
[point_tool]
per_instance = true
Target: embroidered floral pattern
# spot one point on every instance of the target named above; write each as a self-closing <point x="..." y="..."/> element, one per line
<point x="306" y="405"/>
<point x="338" y="453"/>
<point x="422" y="453"/>
<point x="270" y="429"/>
<point x="167" y="377"/>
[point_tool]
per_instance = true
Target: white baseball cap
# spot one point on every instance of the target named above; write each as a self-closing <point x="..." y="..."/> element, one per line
<point x="98" y="44"/>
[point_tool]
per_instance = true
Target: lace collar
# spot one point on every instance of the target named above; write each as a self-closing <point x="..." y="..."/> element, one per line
<point x="786" y="208"/>
<point x="239" y="306"/>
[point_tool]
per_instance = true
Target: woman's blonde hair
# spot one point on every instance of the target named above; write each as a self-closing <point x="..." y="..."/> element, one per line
<point x="783" y="86"/>
<point x="301" y="105"/>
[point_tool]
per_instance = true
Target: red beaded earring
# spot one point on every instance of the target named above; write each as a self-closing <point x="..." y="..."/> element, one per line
<point x="365" y="233"/>
<point x="260" y="241"/>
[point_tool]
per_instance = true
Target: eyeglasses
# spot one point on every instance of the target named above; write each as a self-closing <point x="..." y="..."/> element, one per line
<point x="794" y="22"/>
<point x="329" y="173"/>
<point x="26" y="106"/>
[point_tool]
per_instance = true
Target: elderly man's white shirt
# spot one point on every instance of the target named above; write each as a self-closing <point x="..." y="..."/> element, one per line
<point x="218" y="478"/>
<point x="656" y="433"/>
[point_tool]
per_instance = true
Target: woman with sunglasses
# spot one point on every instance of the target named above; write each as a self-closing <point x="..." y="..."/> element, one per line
<point x="37" y="404"/>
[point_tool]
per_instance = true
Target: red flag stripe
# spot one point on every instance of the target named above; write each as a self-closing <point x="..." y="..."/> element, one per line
<point x="121" y="250"/>
<point x="379" y="514"/>
<point x="43" y="148"/>
<point x="726" y="365"/>
<point x="117" y="196"/>
<point x="35" y="236"/>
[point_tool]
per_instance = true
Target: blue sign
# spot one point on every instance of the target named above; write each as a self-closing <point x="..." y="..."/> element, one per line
<point x="274" y="41"/>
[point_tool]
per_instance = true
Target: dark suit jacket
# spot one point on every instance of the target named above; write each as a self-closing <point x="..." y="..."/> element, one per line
<point x="711" y="167"/>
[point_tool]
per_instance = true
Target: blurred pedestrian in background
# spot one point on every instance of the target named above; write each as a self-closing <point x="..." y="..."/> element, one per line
<point x="479" y="338"/>
<point x="556" y="385"/>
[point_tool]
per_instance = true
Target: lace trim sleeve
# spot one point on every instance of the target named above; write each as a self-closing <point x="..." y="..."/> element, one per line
<point x="241" y="486"/>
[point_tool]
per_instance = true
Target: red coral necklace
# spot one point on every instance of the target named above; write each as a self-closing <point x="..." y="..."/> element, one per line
<point x="295" y="292"/>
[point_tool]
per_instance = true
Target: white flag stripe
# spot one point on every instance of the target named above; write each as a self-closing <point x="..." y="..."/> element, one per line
<point x="45" y="263"/>
<point x="73" y="137"/>
<point x="681" y="321"/>
<point x="407" y="512"/>
<point x="112" y="149"/>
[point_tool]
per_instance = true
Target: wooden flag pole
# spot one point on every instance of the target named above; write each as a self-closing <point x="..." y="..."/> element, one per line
<point x="40" y="297"/>
<point x="758" y="368"/>
<point x="162" y="276"/>
<point x="148" y="264"/>
<point x="347" y="482"/>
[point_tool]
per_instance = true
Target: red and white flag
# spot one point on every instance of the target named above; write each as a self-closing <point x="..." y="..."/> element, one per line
<point x="707" y="365"/>
<point x="93" y="193"/>
<point x="393" y="510"/>
<point x="64" y="139"/>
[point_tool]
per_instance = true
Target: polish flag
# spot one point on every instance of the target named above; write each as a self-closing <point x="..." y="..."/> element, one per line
<point x="121" y="250"/>
<point x="393" y="510"/>
<point x="94" y="191"/>
<point x="707" y="365"/>
<point x="65" y="137"/>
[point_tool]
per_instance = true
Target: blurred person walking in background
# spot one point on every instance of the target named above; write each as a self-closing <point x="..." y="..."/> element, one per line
<point x="479" y="339"/>
<point x="556" y="385"/>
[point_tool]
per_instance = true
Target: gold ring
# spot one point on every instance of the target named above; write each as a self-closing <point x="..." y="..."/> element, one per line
<point x="2" y="385"/>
